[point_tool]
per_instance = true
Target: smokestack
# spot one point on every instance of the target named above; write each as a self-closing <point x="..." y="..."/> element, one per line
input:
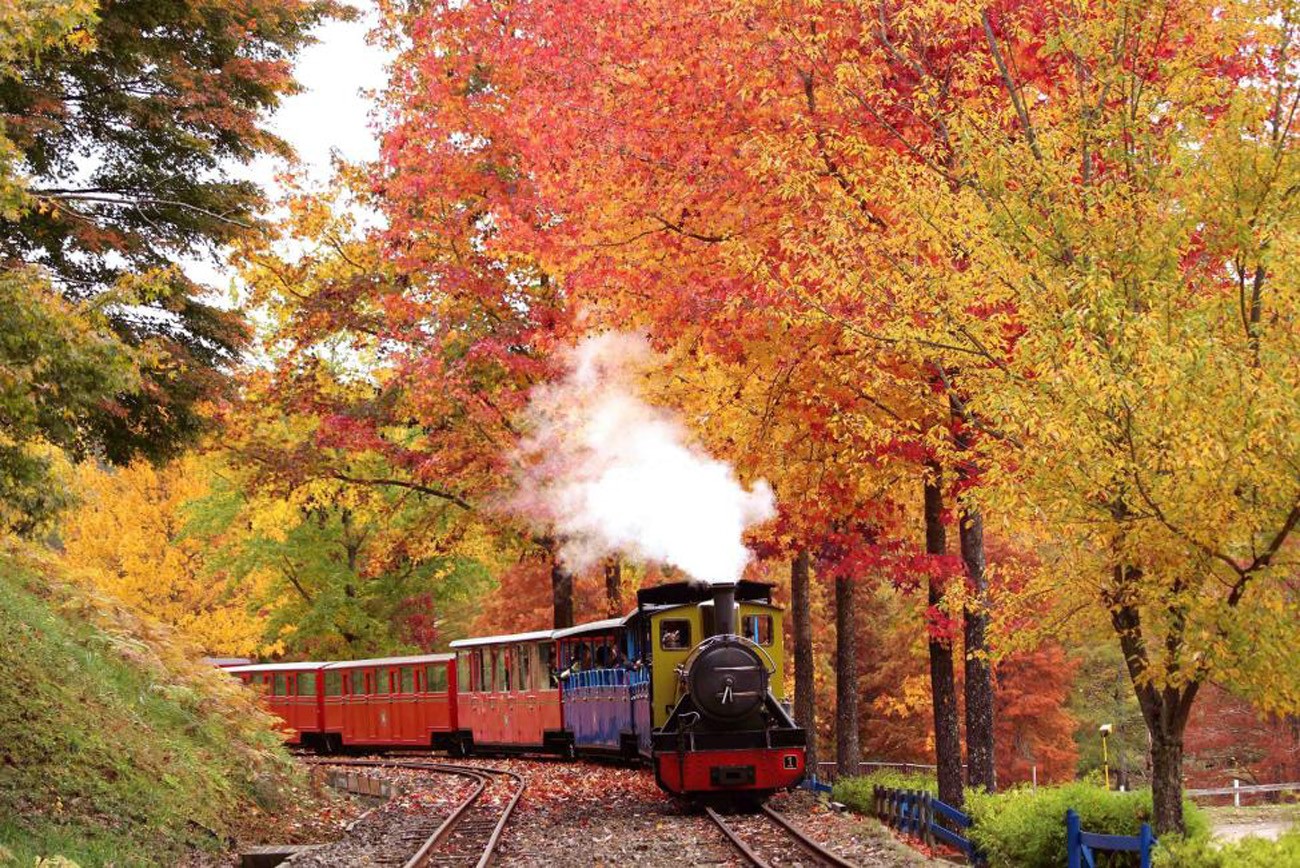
<point x="724" y="609"/>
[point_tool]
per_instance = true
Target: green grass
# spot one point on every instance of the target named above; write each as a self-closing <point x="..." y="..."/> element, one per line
<point x="114" y="749"/>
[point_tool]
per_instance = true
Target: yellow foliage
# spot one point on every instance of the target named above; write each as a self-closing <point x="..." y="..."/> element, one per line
<point x="128" y="539"/>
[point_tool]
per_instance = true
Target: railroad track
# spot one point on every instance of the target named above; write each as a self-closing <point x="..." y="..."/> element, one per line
<point x="469" y="836"/>
<point x="768" y="839"/>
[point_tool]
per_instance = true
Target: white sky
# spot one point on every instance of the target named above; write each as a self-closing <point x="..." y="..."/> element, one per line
<point x="331" y="114"/>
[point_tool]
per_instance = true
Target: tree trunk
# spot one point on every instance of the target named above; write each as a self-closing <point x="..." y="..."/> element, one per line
<point x="847" y="755"/>
<point x="614" y="586"/>
<point x="1167" y="782"/>
<point x="805" y="688"/>
<point x="561" y="593"/>
<point x="979" y="677"/>
<point x="1165" y="711"/>
<point x="943" y="687"/>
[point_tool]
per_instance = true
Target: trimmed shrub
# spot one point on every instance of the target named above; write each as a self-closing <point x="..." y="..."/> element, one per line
<point x="1246" y="853"/>
<point x="858" y="792"/>
<point x="1025" y="828"/>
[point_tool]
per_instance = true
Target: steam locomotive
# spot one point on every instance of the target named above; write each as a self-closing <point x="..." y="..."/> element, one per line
<point x="688" y="682"/>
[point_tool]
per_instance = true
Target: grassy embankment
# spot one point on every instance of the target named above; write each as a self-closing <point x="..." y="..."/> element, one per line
<point x="115" y="746"/>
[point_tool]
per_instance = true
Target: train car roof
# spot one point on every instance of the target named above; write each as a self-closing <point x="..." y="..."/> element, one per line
<point x="592" y="627"/>
<point x="226" y="662"/>
<point x="682" y="593"/>
<point x="277" y="667"/>
<point x="503" y="640"/>
<point x="410" y="660"/>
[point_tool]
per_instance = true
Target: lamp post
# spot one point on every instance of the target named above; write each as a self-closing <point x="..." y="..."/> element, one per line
<point x="1105" y="729"/>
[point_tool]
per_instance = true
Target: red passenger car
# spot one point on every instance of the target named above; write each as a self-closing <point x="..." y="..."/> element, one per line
<point x="391" y="702"/>
<point x="509" y="696"/>
<point x="293" y="692"/>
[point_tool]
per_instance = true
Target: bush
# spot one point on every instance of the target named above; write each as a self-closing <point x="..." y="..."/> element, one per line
<point x="1025" y="828"/>
<point x="857" y="792"/>
<point x="1247" y="853"/>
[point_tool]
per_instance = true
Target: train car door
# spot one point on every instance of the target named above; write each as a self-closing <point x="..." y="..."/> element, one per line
<point x="437" y="704"/>
<point x="332" y="701"/>
<point x="382" y="704"/>
<point x="359" y="722"/>
<point x="406" y="724"/>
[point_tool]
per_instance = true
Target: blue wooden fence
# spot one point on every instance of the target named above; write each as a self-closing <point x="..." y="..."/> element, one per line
<point x="921" y="815"/>
<point x="1080" y="845"/>
<point x="817" y="786"/>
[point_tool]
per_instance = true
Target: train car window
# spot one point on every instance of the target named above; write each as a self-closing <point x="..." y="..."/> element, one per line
<point x="408" y="679"/>
<point x="757" y="628"/>
<point x="483" y="682"/>
<point x="545" y="666"/>
<point x="500" y="670"/>
<point x="462" y="671"/>
<point x="674" y="634"/>
<point x="278" y="683"/>
<point x="524" y="673"/>
<point x="358" y="682"/>
<point x="381" y="681"/>
<point x="333" y="683"/>
<point x="307" y="684"/>
<point x="435" y="679"/>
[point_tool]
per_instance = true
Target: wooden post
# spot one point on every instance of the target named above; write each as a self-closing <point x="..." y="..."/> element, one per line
<point x="1147" y="841"/>
<point x="1236" y="796"/>
<point x="927" y="819"/>
<point x="1073" y="840"/>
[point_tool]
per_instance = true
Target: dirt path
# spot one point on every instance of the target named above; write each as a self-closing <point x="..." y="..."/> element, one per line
<point x="1265" y="821"/>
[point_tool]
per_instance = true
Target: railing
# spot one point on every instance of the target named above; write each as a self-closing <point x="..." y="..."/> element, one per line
<point x="1080" y="845"/>
<point x="1238" y="789"/>
<point x="605" y="678"/>
<point x="921" y="815"/>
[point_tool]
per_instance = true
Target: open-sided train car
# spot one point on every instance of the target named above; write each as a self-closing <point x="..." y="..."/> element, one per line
<point x="604" y="667"/>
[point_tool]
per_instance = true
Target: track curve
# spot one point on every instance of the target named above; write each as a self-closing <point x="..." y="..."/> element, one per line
<point x="470" y="835"/>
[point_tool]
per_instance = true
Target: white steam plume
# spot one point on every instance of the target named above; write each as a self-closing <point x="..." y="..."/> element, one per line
<point x="612" y="474"/>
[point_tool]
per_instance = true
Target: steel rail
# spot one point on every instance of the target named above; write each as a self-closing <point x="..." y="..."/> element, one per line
<point x="802" y="837"/>
<point x="481" y="774"/>
<point x="793" y="831"/>
<point x="754" y="858"/>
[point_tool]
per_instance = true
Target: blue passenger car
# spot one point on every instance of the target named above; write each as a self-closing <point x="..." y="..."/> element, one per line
<point x="602" y="671"/>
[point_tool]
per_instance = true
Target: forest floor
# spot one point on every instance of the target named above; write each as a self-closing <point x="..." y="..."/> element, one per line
<point x="598" y="814"/>
<point x="594" y="814"/>
<point x="1262" y="821"/>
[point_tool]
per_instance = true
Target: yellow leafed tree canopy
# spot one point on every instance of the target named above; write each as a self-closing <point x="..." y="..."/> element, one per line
<point x="129" y="539"/>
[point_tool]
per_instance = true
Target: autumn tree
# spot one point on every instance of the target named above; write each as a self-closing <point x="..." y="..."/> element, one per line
<point x="122" y="138"/>
<point x="1125" y="313"/>
<point x="129" y="537"/>
<point x="680" y="222"/>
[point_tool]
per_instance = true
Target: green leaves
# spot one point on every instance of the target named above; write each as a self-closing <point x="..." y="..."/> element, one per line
<point x="58" y="370"/>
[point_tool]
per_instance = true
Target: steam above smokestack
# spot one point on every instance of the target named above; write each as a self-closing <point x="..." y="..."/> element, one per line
<point x="607" y="473"/>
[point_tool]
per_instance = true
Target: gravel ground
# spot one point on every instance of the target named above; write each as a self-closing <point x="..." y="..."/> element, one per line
<point x="589" y="814"/>
<point x="859" y="839"/>
<point x="395" y="829"/>
<point x="571" y="814"/>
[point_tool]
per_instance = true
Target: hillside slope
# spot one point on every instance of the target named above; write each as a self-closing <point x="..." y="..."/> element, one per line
<point x="116" y="748"/>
